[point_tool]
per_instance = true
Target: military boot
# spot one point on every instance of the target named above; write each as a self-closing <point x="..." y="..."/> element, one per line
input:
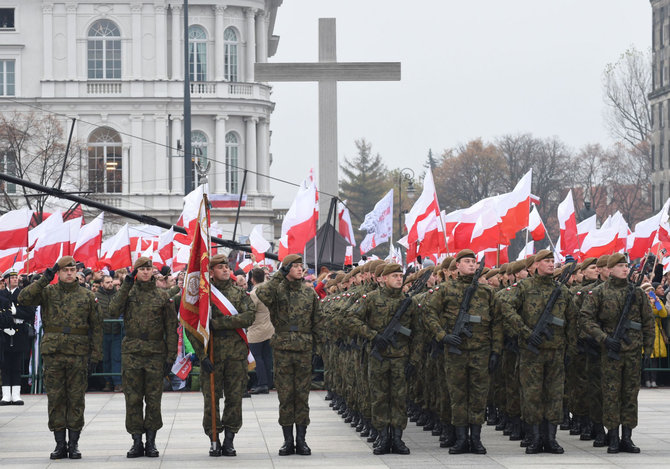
<point x="415" y="413"/>
<point x="397" y="445"/>
<point x="215" y="448"/>
<point x="491" y="415"/>
<point x="515" y="434"/>
<point x="137" y="450"/>
<point x="361" y="424"/>
<point x="476" y="446"/>
<point x="502" y="422"/>
<point x="150" y="450"/>
<point x="587" y="429"/>
<point x="372" y="437"/>
<point x="566" y="423"/>
<point x="460" y="446"/>
<point x="627" y="445"/>
<point x="550" y="443"/>
<point x="73" y="444"/>
<point x="227" y="448"/>
<point x="288" y="447"/>
<point x="365" y="430"/>
<point x="430" y="424"/>
<point x="576" y="427"/>
<point x="300" y="443"/>
<point x="613" y="436"/>
<point x="61" y="445"/>
<point x="600" y="439"/>
<point x="348" y="416"/>
<point x="384" y="446"/>
<point x="449" y="437"/>
<point x="329" y="395"/>
<point x="534" y="440"/>
<point x="437" y="429"/>
<point x="423" y="419"/>
<point x="527" y="435"/>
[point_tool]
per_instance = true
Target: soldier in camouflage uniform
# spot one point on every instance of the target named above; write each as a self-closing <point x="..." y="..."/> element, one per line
<point x="296" y="316"/>
<point x="541" y="375"/>
<point x="387" y="378"/>
<point x="600" y="314"/>
<point x="230" y="358"/>
<point x="147" y="352"/>
<point x="71" y="346"/>
<point x="467" y="372"/>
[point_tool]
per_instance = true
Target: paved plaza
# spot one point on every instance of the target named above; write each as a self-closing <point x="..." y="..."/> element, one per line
<point x="25" y="441"/>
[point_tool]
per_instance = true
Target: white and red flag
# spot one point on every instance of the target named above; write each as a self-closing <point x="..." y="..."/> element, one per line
<point x="536" y="226"/>
<point x="115" y="251"/>
<point x="618" y="222"/>
<point x="259" y="245"/>
<point x="227" y="200"/>
<point x="584" y="227"/>
<point x="51" y="244"/>
<point x="164" y="252"/>
<point x="299" y="225"/>
<point x="75" y="227"/>
<point x="424" y="223"/>
<point x="14" y="229"/>
<point x="189" y="215"/>
<point x="89" y="241"/>
<point x="599" y="242"/>
<point x="8" y="257"/>
<point x="513" y="207"/>
<point x="349" y="255"/>
<point x="49" y="224"/>
<point x="567" y="222"/>
<point x="378" y="224"/>
<point x="642" y="239"/>
<point x="527" y="251"/>
<point x="344" y="226"/>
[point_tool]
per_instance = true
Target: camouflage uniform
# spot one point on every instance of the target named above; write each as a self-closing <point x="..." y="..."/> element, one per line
<point x="150" y="342"/>
<point x="72" y="336"/>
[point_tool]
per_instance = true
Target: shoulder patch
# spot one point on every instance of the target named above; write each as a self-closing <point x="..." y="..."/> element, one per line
<point x="437" y="288"/>
<point x="508" y="288"/>
<point x="96" y="299"/>
<point x="364" y="296"/>
<point x="431" y="290"/>
<point x="590" y="292"/>
<point x="515" y="284"/>
<point x="171" y="300"/>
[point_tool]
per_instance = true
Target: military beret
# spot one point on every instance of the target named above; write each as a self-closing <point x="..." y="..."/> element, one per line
<point x="355" y="271"/>
<point x="465" y="253"/>
<point x="543" y="254"/>
<point x="516" y="267"/>
<point x="391" y="268"/>
<point x="379" y="269"/>
<point x="436" y="270"/>
<point x="410" y="279"/>
<point x="142" y="262"/>
<point x="503" y="268"/>
<point x="602" y="261"/>
<point x="330" y="283"/>
<point x="492" y="273"/>
<point x="218" y="259"/>
<point x="557" y="272"/>
<point x="291" y="259"/>
<point x="616" y="258"/>
<point x="444" y="265"/>
<point x="529" y="261"/>
<point x="339" y="277"/>
<point x="348" y="276"/>
<point x="376" y="263"/>
<point x="485" y="271"/>
<point x="452" y="266"/>
<point x="66" y="261"/>
<point x="589" y="261"/>
<point x="365" y="267"/>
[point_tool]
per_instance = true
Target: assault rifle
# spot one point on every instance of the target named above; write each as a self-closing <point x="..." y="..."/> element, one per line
<point x="624" y="324"/>
<point x="464" y="319"/>
<point x="547" y="319"/>
<point x="394" y="327"/>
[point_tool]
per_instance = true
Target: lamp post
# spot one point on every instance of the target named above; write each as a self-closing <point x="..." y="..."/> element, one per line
<point x="407" y="175"/>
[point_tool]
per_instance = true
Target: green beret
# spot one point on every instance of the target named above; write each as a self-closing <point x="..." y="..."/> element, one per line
<point x="492" y="273"/>
<point x="503" y="268"/>
<point x="452" y="266"/>
<point x="543" y="254"/>
<point x="391" y="268"/>
<point x="66" y="261"/>
<point x="616" y="258"/>
<point x="444" y="265"/>
<point x="465" y="253"/>
<point x="142" y="262"/>
<point x="529" y="261"/>
<point x="588" y="262"/>
<point x="602" y="261"/>
<point x="218" y="259"/>
<point x="379" y="269"/>
<point x="516" y="267"/>
<point x="291" y="259"/>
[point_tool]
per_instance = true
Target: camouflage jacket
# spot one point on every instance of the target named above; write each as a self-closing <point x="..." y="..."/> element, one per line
<point x="525" y="304"/>
<point x="443" y="307"/>
<point x="295" y="313"/>
<point x="149" y="319"/>
<point x="104" y="300"/>
<point x="71" y="318"/>
<point x="223" y="329"/>
<point x="602" y="307"/>
<point x="579" y="293"/>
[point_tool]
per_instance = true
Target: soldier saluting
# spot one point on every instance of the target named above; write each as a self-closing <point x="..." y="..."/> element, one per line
<point x="71" y="345"/>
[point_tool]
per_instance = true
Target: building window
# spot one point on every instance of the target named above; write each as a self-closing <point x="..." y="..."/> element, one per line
<point x="199" y="152"/>
<point x="7" y="19"/>
<point x="232" y="171"/>
<point x="230" y="54"/>
<point x="197" y="53"/>
<point x="7" y="78"/>
<point x="8" y="165"/>
<point x="104" y="51"/>
<point x="105" y="161"/>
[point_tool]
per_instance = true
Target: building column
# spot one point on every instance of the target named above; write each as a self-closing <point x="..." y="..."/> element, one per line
<point x="71" y="9"/>
<point x="47" y="27"/>
<point x="177" y="162"/>
<point x="219" y="58"/>
<point x="135" y="169"/>
<point x="251" y="154"/>
<point x="263" y="156"/>
<point x="160" y="155"/>
<point x="161" y="41"/>
<point x="220" y="167"/>
<point x="177" y="34"/>
<point x="262" y="37"/>
<point x="136" y="40"/>
<point x="250" y="14"/>
<point x="125" y="170"/>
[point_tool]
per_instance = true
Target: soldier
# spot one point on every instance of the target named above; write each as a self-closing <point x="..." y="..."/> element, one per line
<point x="71" y="346"/>
<point x="295" y="314"/>
<point x="600" y="315"/>
<point x="147" y="352"/>
<point x="112" y="335"/>
<point x="387" y="378"/>
<point x="541" y="375"/>
<point x="230" y="358"/>
<point x="467" y="372"/>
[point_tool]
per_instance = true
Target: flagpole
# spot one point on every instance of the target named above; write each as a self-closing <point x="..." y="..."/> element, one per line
<point x="546" y="233"/>
<point x="215" y="435"/>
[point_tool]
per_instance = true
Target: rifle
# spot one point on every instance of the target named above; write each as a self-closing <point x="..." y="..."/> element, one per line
<point x="464" y="319"/>
<point x="393" y="327"/>
<point x="547" y="319"/>
<point x="624" y="324"/>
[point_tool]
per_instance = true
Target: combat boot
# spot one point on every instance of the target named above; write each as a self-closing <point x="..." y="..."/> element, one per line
<point x="348" y="416"/>
<point x="227" y="448"/>
<point x="329" y="395"/>
<point x="599" y="439"/>
<point x="430" y="425"/>
<point x="460" y="446"/>
<point x="508" y="427"/>
<point x="365" y="430"/>
<point x="423" y="419"/>
<point x="626" y="445"/>
<point x="137" y="450"/>
<point x="73" y="444"/>
<point x="527" y="435"/>
<point x="566" y="423"/>
<point x="384" y="446"/>
<point x="300" y="443"/>
<point x="215" y="448"/>
<point x="476" y="446"/>
<point x="587" y="429"/>
<point x="437" y="429"/>
<point x="449" y="436"/>
<point x="397" y="445"/>
<point x="61" y="445"/>
<point x="374" y="434"/>
<point x="613" y="436"/>
<point x="415" y="413"/>
<point x="534" y="440"/>
<point x="150" y="450"/>
<point x="502" y="422"/>
<point x="515" y="434"/>
<point x="288" y="447"/>
<point x="491" y="415"/>
<point x="550" y="443"/>
<point x="576" y="425"/>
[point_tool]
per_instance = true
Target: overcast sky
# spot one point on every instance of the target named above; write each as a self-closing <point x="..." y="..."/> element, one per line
<point x="469" y="69"/>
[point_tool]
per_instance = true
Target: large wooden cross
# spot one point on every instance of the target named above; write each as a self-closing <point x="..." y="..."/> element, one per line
<point x="327" y="72"/>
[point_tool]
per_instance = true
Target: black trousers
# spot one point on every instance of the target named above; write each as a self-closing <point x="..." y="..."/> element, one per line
<point x="11" y="368"/>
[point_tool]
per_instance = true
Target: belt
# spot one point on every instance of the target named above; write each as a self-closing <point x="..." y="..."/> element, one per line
<point x="293" y="328"/>
<point x="143" y="336"/>
<point x="67" y="330"/>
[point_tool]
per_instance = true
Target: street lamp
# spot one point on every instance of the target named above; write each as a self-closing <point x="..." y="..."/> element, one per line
<point x="407" y="175"/>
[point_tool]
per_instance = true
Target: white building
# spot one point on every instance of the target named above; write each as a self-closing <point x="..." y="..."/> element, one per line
<point x="117" y="66"/>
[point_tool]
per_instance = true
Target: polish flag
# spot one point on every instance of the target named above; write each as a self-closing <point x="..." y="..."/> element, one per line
<point x="14" y="229"/>
<point x="163" y="253"/>
<point x="423" y="222"/>
<point x="259" y="245"/>
<point x="567" y="223"/>
<point x="75" y="227"/>
<point x="585" y="227"/>
<point x="618" y="222"/>
<point x="527" y="251"/>
<point x="349" y="255"/>
<point x="344" y="227"/>
<point x="117" y="250"/>
<point x="246" y="265"/>
<point x="641" y="240"/>
<point x="492" y="258"/>
<point x="536" y="226"/>
<point x="487" y="231"/>
<point x="461" y="223"/>
<point x="52" y="222"/>
<point x="227" y="200"/>
<point x="143" y="233"/>
<point x="299" y="225"/>
<point x="599" y="242"/>
<point x="8" y="258"/>
<point x="433" y="243"/>
<point x="89" y="241"/>
<point x="514" y="207"/>
<point x="50" y="247"/>
<point x="189" y="215"/>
